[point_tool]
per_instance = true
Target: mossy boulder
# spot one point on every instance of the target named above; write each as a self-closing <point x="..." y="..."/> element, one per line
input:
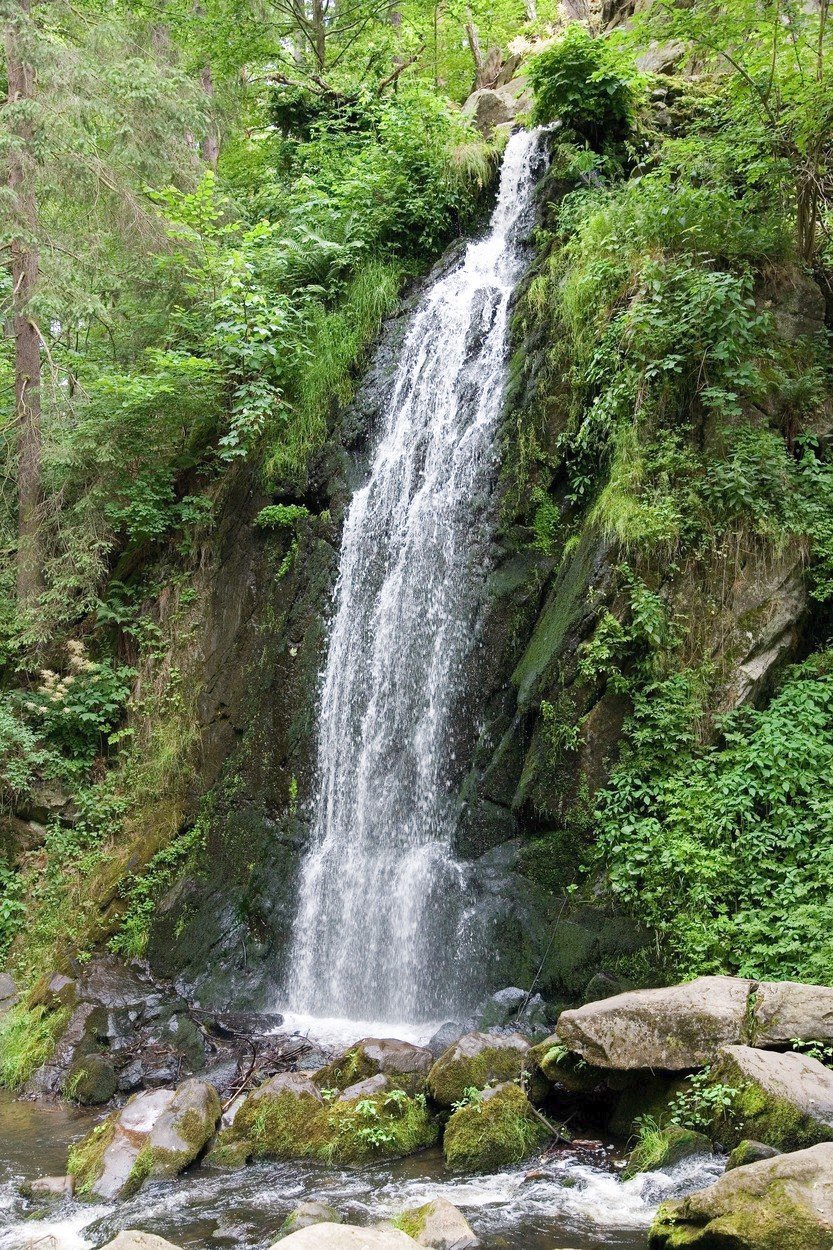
<point x="184" y="1128"/>
<point x="228" y="1152"/>
<point x="475" y="1061"/>
<point x="551" y="1063"/>
<point x="91" y="1080"/>
<point x="777" y="1204"/>
<point x="783" y="1100"/>
<point x="281" y="1118"/>
<point x="405" y="1066"/>
<point x="156" y="1133"/>
<point x="287" y="1118"/>
<point x="493" y="1131"/>
<point x="306" y="1214"/>
<point x="750" y="1152"/>
<point x="664" y="1147"/>
<point x="437" y="1225"/>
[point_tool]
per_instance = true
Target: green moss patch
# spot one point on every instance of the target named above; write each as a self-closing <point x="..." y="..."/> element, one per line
<point x="85" y="1161"/>
<point x="663" y="1147"/>
<point x="493" y="1132"/>
<point x="456" y="1071"/>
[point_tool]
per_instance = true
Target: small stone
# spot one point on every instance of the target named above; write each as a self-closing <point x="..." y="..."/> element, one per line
<point x="306" y="1215"/>
<point x="750" y="1152"/>
<point x="53" y="1187"/>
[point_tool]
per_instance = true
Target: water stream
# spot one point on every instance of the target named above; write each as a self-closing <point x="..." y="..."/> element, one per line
<point x="382" y="897"/>
<point x="566" y="1204"/>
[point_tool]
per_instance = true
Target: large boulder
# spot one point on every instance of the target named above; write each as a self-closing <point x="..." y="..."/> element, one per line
<point x="783" y="1100"/>
<point x="343" y="1237"/>
<point x="438" y="1225"/>
<point x="156" y="1133"/>
<point x="475" y="1061"/>
<point x="406" y="1066"/>
<point x="278" y="1119"/>
<point x="676" y="1028"/>
<point x="778" y="1204"/>
<point x="492" y="1131"/>
<point x="784" y="1010"/>
<point x="287" y="1118"/>
<point x="491" y="107"/>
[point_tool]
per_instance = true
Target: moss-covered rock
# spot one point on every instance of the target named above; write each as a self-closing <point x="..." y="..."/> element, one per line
<point x="492" y="1131"/>
<point x="777" y="1204"/>
<point x="663" y="1147"/>
<point x="91" y="1080"/>
<point x="156" y="1133"/>
<point x="437" y="1225"/>
<point x="782" y="1100"/>
<point x="750" y="1152"/>
<point x="287" y="1118"/>
<point x="388" y="1126"/>
<point x="405" y="1066"/>
<point x="475" y="1061"/>
<point x="281" y="1118"/>
<point x="306" y="1214"/>
<point x="551" y="1063"/>
<point x="228" y="1152"/>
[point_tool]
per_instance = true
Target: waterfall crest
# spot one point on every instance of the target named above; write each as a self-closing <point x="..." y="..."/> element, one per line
<point x="382" y="898"/>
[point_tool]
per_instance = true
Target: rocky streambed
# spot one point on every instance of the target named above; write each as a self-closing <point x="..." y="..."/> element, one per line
<point x="614" y="1130"/>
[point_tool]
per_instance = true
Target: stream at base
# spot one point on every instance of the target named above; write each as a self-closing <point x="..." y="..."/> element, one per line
<point x="575" y="1205"/>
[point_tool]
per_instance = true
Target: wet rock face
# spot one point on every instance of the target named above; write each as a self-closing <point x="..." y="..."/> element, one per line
<point x="776" y="1204"/>
<point x="126" y="1031"/>
<point x="439" y="1225"/>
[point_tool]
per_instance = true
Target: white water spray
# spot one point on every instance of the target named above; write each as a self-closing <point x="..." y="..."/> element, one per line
<point x="381" y="894"/>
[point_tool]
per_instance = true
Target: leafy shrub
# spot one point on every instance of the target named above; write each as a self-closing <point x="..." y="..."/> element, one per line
<point x="77" y="711"/>
<point x="727" y="850"/>
<point x="582" y="82"/>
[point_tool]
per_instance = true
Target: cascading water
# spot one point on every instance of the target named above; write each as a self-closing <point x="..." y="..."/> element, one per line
<point x="381" y="895"/>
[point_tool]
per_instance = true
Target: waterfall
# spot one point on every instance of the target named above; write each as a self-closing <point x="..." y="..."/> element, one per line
<point x="382" y="897"/>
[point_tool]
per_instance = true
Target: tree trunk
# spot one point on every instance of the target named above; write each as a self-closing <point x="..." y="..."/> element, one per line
<point x="27" y="339"/>
<point x="211" y="142"/>
<point x="319" y="32"/>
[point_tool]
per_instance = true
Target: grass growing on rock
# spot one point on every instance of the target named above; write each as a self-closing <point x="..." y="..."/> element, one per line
<point x="492" y="1132"/>
<point x="27" y="1039"/>
<point x="85" y="1160"/>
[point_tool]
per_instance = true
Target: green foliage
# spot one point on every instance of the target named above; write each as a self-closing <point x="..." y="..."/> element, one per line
<point x="580" y="81"/>
<point x="702" y="1100"/>
<point x="281" y="515"/>
<point x="144" y="891"/>
<point x="726" y="849"/>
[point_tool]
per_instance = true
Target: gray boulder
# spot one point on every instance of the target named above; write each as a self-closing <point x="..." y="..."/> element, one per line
<point x="784" y="1100"/>
<point x="446" y="1035"/>
<point x="307" y="1214"/>
<point x="343" y="1237"/>
<point x="661" y="58"/>
<point x="184" y="1128"/>
<point x="676" y="1028"/>
<point x="778" y="1204"/>
<point x="439" y="1225"/>
<point x="371" y="1085"/>
<point x="491" y="107"/>
<point x="784" y="1010"/>
<point x="51" y="1187"/>
<point x="91" y="1080"/>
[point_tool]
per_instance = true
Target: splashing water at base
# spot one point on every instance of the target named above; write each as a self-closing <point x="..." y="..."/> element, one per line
<point x="381" y="900"/>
